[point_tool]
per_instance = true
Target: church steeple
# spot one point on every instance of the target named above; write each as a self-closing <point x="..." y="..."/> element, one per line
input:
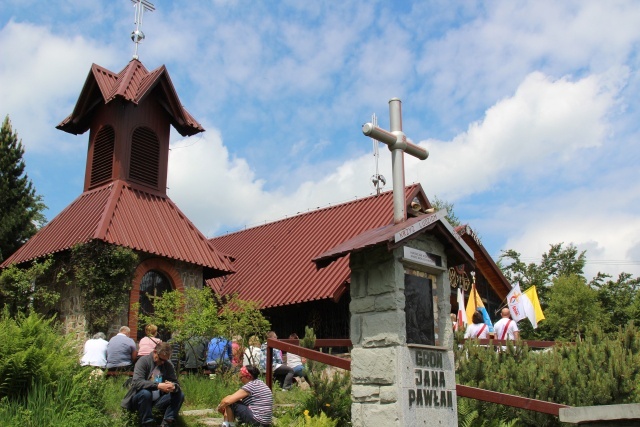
<point x="129" y="115"/>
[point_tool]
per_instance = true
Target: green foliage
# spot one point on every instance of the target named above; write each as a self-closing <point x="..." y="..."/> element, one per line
<point x="32" y="349"/>
<point x="73" y="402"/>
<point x="312" y="367"/>
<point x="468" y="416"/>
<point x="202" y="392"/>
<point x="25" y="288"/>
<point x="20" y="207"/>
<point x="200" y="313"/>
<point x="618" y="298"/>
<point x="306" y="420"/>
<point x="242" y="318"/>
<point x="599" y="370"/>
<point x="558" y="261"/>
<point x="439" y="204"/>
<point x="103" y="272"/>
<point x="556" y="265"/>
<point x="573" y="307"/>
<point x="330" y="394"/>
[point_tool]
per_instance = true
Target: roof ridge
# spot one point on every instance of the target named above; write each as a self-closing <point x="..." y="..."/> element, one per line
<point x="319" y="209"/>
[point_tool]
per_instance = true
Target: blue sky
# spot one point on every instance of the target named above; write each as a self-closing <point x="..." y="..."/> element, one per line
<point x="529" y="109"/>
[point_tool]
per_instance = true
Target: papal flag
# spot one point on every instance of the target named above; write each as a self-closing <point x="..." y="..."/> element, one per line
<point x="531" y="306"/>
<point x="475" y="303"/>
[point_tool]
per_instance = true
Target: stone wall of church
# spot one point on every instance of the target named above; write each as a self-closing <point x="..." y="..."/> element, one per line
<point x="191" y="275"/>
<point x="71" y="312"/>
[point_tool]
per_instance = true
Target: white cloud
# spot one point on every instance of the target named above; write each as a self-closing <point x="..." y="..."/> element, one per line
<point x="42" y="74"/>
<point x="535" y="132"/>
<point x="596" y="220"/>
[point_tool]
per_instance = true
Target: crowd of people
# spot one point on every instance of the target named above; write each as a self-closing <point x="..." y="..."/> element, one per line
<point x="154" y="383"/>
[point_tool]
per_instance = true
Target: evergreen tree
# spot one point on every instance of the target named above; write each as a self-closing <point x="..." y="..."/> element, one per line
<point x="20" y="207"/>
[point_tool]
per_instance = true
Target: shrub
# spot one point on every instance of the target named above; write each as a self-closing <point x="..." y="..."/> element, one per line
<point x="32" y="349"/>
<point x="331" y="395"/>
<point x="600" y="370"/>
<point x="71" y="402"/>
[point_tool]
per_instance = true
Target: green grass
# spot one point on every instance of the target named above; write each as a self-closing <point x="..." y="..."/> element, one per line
<point x="78" y="402"/>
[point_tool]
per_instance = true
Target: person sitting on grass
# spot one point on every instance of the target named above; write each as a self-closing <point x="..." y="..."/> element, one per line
<point x="281" y="372"/>
<point x="296" y="362"/>
<point x="154" y="384"/>
<point x="252" y="404"/>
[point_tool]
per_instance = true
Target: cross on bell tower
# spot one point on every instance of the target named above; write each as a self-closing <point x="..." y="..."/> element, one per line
<point x="397" y="142"/>
<point x="137" y="35"/>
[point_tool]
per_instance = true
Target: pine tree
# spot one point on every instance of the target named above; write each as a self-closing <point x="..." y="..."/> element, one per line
<point x="20" y="207"/>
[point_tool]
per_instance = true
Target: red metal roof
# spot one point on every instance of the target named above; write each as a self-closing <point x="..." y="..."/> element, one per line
<point x="273" y="262"/>
<point x="125" y="215"/>
<point x="457" y="251"/>
<point x="131" y="84"/>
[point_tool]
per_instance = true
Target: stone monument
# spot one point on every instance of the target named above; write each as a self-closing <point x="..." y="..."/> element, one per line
<point x="402" y="366"/>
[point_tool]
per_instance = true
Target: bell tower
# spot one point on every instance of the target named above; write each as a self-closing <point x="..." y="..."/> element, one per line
<point x="129" y="115"/>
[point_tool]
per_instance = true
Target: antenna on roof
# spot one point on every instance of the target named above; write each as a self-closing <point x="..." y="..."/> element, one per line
<point x="137" y="35"/>
<point x="376" y="179"/>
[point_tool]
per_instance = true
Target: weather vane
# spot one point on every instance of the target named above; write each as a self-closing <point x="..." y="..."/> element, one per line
<point x="137" y="35"/>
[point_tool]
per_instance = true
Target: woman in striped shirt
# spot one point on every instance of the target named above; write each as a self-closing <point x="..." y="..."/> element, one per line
<point x="252" y="403"/>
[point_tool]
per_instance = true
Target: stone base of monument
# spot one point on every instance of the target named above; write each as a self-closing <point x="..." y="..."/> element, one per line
<point x="605" y="415"/>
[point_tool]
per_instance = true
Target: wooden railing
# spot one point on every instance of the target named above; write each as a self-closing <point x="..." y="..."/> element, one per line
<point x="509" y="400"/>
<point x="293" y="347"/>
<point x="461" y="390"/>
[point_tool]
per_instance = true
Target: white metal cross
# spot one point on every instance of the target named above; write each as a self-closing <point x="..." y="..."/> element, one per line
<point x="397" y="142"/>
<point x="137" y="35"/>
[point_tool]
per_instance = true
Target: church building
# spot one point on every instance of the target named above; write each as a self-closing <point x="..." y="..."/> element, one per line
<point x="124" y="201"/>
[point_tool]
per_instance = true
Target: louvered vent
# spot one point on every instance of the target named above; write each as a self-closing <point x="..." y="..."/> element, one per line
<point x="102" y="164"/>
<point x="145" y="157"/>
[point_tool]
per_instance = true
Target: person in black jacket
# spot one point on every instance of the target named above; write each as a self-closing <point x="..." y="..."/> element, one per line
<point x="154" y="384"/>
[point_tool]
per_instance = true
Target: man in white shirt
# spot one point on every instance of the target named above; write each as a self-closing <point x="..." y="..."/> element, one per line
<point x="505" y="328"/>
<point x="95" y="351"/>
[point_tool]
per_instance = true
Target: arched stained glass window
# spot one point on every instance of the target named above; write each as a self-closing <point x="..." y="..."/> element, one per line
<point x="153" y="285"/>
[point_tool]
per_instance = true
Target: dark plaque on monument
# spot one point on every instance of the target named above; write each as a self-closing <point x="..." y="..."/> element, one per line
<point x="419" y="310"/>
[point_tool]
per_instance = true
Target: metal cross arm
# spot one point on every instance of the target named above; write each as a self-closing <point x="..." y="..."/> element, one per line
<point x="395" y="141"/>
<point x="398" y="145"/>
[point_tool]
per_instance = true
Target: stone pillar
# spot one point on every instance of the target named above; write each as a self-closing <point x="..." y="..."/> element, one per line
<point x="395" y="383"/>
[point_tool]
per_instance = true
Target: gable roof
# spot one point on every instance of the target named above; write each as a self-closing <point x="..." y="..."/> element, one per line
<point x="394" y="235"/>
<point x="122" y="214"/>
<point x="273" y="262"/>
<point x="487" y="266"/>
<point x="132" y="84"/>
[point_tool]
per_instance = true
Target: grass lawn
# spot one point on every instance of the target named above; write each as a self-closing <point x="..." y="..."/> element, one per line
<point x="201" y="393"/>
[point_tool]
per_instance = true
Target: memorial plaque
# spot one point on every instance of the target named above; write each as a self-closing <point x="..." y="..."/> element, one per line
<point x="419" y="310"/>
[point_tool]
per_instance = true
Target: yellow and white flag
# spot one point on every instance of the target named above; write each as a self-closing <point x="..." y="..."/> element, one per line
<point x="531" y="306"/>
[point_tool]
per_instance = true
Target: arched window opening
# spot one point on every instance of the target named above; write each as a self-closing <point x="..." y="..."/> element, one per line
<point x="153" y="285"/>
<point x="102" y="161"/>
<point x="145" y="157"/>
